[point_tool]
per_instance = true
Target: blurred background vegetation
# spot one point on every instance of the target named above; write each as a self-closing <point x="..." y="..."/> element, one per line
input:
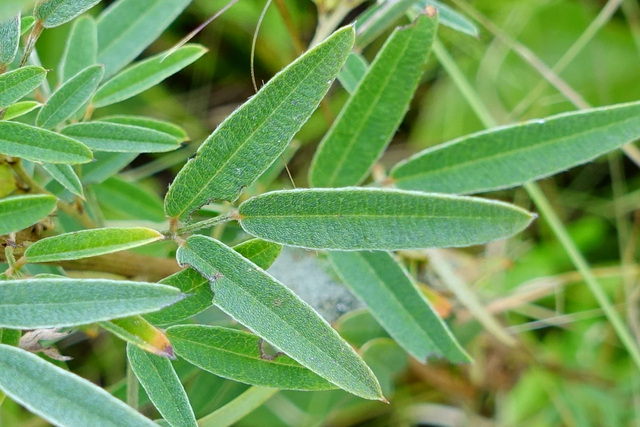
<point x="567" y="367"/>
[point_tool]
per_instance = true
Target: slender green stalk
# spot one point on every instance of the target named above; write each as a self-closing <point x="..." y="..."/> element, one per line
<point x="235" y="410"/>
<point x="546" y="210"/>
<point x="200" y="225"/>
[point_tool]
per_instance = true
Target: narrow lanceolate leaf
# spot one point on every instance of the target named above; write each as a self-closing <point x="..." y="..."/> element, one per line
<point x="51" y="303"/>
<point x="253" y="137"/>
<point x="106" y="136"/>
<point x="19" y="212"/>
<point x="81" y="49"/>
<point x="53" y="13"/>
<point x="16" y="84"/>
<point x="162" y="384"/>
<point x="9" y="39"/>
<point x="70" y="97"/>
<point x="139" y="332"/>
<point x="369" y="219"/>
<point x="150" y="123"/>
<point x="372" y="115"/>
<point x="244" y="291"/>
<point x="353" y="71"/>
<point x="198" y="289"/>
<point x="27" y="23"/>
<point x="379" y="18"/>
<point x="66" y="176"/>
<point x="89" y="243"/>
<point x="59" y="396"/>
<point x="20" y="108"/>
<point x="40" y="145"/>
<point x="235" y="355"/>
<point x="127" y="27"/>
<point x="146" y="74"/>
<point x="512" y="155"/>
<point x="395" y="301"/>
<point x="129" y="199"/>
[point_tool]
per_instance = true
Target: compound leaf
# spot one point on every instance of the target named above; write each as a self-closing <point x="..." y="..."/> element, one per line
<point x="89" y="243"/>
<point x="370" y="218"/>
<point x="397" y="304"/>
<point x="19" y="212"/>
<point x="244" y="291"/>
<point x="512" y="155"/>
<point x="235" y="355"/>
<point x="146" y="74"/>
<point x="59" y="396"/>
<point x="51" y="303"/>
<point x="368" y="121"/>
<point x="253" y="137"/>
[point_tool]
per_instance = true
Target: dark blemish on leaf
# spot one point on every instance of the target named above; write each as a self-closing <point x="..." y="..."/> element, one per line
<point x="265" y="356"/>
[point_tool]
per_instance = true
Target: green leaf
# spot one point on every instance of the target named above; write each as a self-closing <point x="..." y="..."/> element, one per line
<point x="26" y="24"/>
<point x="89" y="243"/>
<point x="235" y="355"/>
<point x="147" y="122"/>
<point x="447" y="17"/>
<point x="70" y="97"/>
<point x="106" y="136"/>
<point x="137" y="331"/>
<point x="66" y="176"/>
<point x="10" y="8"/>
<point x="244" y="291"/>
<point x="146" y="74"/>
<point x="127" y="27"/>
<point x="367" y="123"/>
<point x="163" y="386"/>
<point x="395" y="301"/>
<point x="106" y="164"/>
<point x="358" y="327"/>
<point x="54" y="13"/>
<point x="9" y="39"/>
<point x="198" y="289"/>
<point x="377" y="19"/>
<point x="369" y="219"/>
<point x="59" y="396"/>
<point x="10" y="336"/>
<point x="81" y="49"/>
<point x="16" y="84"/>
<point x="129" y="199"/>
<point x="255" y="135"/>
<point x="508" y="156"/>
<point x="238" y="408"/>
<point x="387" y="361"/>
<point x="19" y="212"/>
<point x="20" y="108"/>
<point x="51" y="303"/>
<point x="353" y="71"/>
<point x="40" y="145"/>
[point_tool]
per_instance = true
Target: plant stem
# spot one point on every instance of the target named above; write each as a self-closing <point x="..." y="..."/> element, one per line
<point x="545" y="209"/>
<point x="239" y="407"/>
<point x="200" y="225"/>
<point x="31" y="42"/>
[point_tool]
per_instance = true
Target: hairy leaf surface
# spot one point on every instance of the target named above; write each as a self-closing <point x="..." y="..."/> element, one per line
<point x="9" y="39"/>
<point x="235" y="355"/>
<point x="20" y="108"/>
<point x="16" y="84"/>
<point x="253" y="137"/>
<point x="147" y="122"/>
<point x="89" y="243"/>
<point x="106" y="136"/>
<point x="368" y="121"/>
<point x="369" y="219"/>
<point x="19" y="212"/>
<point x="66" y="176"/>
<point x="81" y="49"/>
<point x="53" y="13"/>
<point x="244" y="291"/>
<point x="51" y="303"/>
<point x="511" y="155"/>
<point x="395" y="301"/>
<point x="129" y="199"/>
<point x="59" y="396"/>
<point x="137" y="331"/>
